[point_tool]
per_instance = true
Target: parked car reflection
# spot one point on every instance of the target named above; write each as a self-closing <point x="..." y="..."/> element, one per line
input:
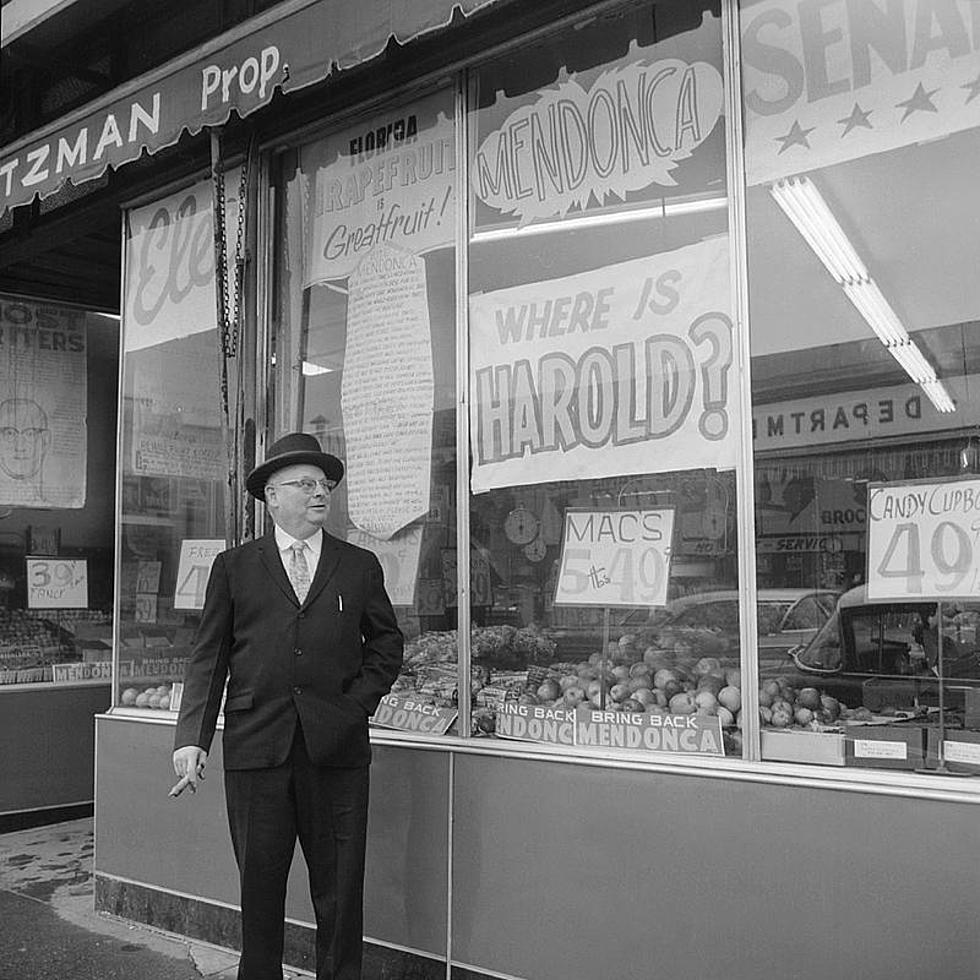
<point x="708" y="624"/>
<point x="890" y="655"/>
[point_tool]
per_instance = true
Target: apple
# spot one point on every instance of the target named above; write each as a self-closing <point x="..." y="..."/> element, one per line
<point x="664" y="676"/>
<point x="548" y="691"/>
<point x="573" y="695"/>
<point x="710" y="683"/>
<point x="633" y="706"/>
<point x="803" y="716"/>
<point x="644" y="695"/>
<point x="730" y="697"/>
<point x="683" y="704"/>
<point x="727" y="718"/>
<point x="808" y="697"/>
<point x="129" y="696"/>
<point x="781" y="719"/>
<point x="733" y="677"/>
<point x="706" y="665"/>
<point x="619" y="692"/>
<point x="706" y="699"/>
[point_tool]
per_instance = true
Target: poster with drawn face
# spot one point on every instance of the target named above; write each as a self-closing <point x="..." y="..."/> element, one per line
<point x="43" y="395"/>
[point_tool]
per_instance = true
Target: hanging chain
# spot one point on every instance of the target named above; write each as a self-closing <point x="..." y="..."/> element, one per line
<point x="229" y="317"/>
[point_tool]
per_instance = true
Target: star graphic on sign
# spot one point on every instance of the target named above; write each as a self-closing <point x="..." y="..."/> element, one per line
<point x="921" y="101"/>
<point x="858" y="117"/>
<point x="797" y="136"/>
<point x="973" y="88"/>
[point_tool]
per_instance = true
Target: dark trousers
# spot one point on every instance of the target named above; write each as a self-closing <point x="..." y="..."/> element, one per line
<point x="327" y="810"/>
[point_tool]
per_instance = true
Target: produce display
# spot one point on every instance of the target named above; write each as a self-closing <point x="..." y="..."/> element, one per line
<point x="29" y="645"/>
<point x="147" y="697"/>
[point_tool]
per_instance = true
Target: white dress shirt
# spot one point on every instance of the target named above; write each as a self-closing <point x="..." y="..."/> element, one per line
<point x="314" y="545"/>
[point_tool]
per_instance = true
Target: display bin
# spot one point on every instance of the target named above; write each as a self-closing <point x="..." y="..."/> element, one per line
<point x="821" y="748"/>
<point x="971" y="716"/>
<point x="962" y="753"/>
<point x="885" y="746"/>
<point x="880" y="693"/>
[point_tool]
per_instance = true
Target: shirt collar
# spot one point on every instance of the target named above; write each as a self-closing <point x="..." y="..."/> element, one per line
<point x="284" y="542"/>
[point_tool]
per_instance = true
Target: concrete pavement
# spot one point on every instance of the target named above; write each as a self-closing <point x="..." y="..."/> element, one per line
<point x="49" y="929"/>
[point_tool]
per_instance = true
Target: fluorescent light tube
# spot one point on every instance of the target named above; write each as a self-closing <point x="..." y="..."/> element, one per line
<point x="803" y="204"/>
<point x="311" y="370"/>
<point x="916" y="366"/>
<point x="939" y="396"/>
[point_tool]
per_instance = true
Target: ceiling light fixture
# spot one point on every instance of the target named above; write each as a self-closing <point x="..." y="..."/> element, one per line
<point x="805" y="207"/>
<point x="659" y="209"/>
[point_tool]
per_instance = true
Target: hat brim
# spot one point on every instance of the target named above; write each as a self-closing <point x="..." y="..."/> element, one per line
<point x="333" y="469"/>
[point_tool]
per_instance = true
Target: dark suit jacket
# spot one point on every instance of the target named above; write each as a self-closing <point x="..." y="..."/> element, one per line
<point x="326" y="663"/>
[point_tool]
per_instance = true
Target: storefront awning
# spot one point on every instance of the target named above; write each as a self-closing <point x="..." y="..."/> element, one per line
<point x="291" y="46"/>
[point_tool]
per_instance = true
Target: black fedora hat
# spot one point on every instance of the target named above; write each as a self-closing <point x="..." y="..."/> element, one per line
<point x="290" y="449"/>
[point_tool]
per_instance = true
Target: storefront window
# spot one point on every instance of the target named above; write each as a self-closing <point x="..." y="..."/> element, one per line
<point x="863" y="304"/>
<point x="604" y="422"/>
<point x="174" y="469"/>
<point x="58" y="368"/>
<point x="364" y="358"/>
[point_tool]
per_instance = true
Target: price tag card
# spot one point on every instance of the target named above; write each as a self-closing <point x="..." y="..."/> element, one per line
<point x="57" y="583"/>
<point x="924" y="540"/>
<point x="615" y="557"/>
<point x="197" y="555"/>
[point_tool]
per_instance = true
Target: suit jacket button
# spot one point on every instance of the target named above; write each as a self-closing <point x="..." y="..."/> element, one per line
<point x="297" y="690"/>
<point x="298" y="652"/>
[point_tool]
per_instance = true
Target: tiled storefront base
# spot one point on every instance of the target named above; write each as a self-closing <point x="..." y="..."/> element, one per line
<point x="219" y="924"/>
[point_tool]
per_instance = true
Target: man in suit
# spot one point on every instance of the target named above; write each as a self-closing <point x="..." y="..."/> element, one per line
<point x="300" y="626"/>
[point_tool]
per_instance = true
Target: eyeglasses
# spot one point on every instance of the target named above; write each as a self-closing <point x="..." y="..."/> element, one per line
<point x="307" y="485"/>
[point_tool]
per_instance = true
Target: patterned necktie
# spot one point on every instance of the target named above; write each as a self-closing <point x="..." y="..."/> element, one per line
<point x="299" y="571"/>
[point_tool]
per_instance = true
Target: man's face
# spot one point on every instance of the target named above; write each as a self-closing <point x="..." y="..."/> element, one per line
<point x="292" y="508"/>
<point x="24" y="438"/>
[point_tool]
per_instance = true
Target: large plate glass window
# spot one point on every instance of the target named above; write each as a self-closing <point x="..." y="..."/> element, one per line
<point x="861" y="122"/>
<point x="603" y="401"/>
<point x="363" y="357"/>
<point x="174" y="470"/>
<point x="58" y="369"/>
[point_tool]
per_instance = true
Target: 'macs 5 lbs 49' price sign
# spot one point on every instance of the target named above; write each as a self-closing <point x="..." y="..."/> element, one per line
<point x="615" y="558"/>
<point x="924" y="539"/>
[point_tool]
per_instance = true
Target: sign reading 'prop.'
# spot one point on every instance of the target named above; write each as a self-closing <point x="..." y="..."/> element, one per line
<point x="615" y="558"/>
<point x="620" y="370"/>
<point x="924" y="540"/>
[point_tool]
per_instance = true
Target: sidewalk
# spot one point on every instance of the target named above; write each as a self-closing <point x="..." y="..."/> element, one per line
<point x="51" y="931"/>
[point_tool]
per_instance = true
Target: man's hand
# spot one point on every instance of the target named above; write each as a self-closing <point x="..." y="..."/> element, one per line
<point x="189" y="763"/>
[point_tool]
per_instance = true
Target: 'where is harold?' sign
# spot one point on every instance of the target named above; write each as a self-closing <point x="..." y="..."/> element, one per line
<point x="615" y="558"/>
<point x="621" y="370"/>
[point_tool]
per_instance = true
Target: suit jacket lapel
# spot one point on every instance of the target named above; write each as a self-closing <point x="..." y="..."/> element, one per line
<point x="269" y="554"/>
<point x="329" y="560"/>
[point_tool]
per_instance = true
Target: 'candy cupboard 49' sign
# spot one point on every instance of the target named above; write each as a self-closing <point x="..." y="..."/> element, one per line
<point x="924" y="539"/>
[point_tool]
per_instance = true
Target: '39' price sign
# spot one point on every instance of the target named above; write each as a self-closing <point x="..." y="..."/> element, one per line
<point x="924" y="539"/>
<point x="57" y="583"/>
